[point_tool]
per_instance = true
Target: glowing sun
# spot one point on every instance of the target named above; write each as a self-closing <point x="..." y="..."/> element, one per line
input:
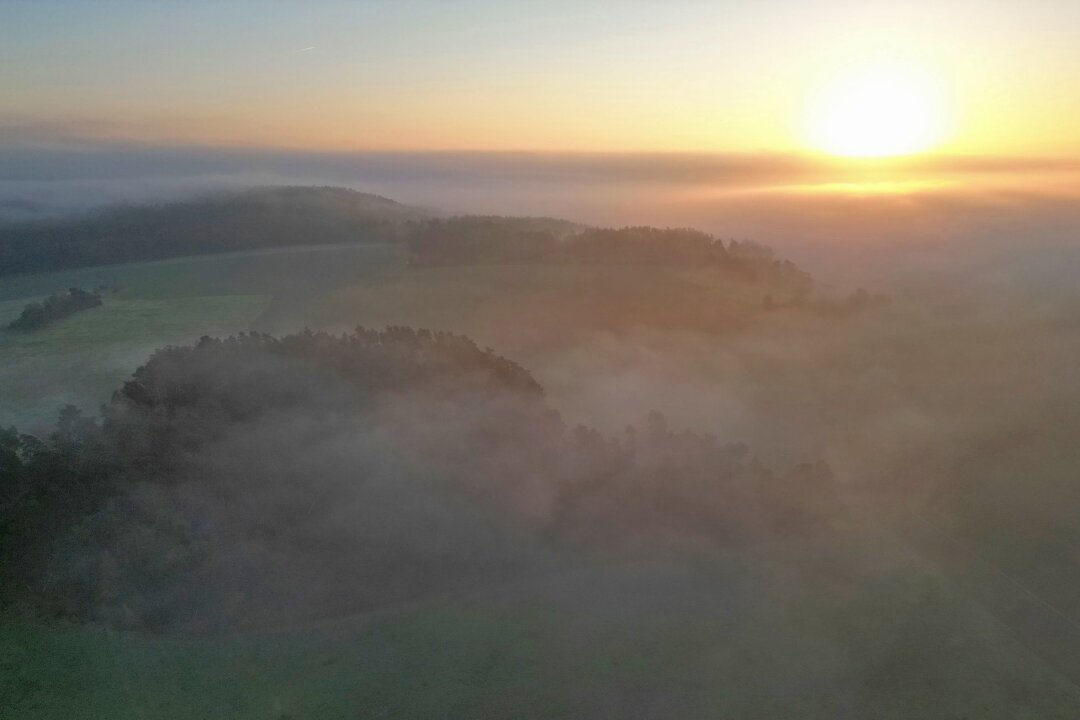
<point x="877" y="112"/>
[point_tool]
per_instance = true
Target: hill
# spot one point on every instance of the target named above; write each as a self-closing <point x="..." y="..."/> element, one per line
<point x="279" y="217"/>
<point x="254" y="219"/>
<point x="471" y="240"/>
<point x="398" y="524"/>
<point x="260" y="479"/>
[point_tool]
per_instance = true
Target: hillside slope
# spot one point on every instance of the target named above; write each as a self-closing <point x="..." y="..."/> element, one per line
<point x="259" y="218"/>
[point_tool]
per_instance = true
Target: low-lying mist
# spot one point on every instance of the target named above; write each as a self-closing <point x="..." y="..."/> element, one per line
<point x="258" y="480"/>
<point x="885" y="497"/>
<point x="854" y="221"/>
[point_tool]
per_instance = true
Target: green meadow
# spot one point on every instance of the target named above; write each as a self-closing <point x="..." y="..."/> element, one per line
<point x="81" y="359"/>
<point x="537" y="312"/>
<point x="619" y="641"/>
<point x="900" y="629"/>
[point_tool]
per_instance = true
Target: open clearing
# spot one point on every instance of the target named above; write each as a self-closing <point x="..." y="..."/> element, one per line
<point x="83" y="358"/>
<point x="80" y="359"/>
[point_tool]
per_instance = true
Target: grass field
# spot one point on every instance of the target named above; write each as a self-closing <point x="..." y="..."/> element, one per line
<point x="526" y="308"/>
<point x="848" y="631"/>
<point x="83" y="358"/>
<point x="538" y="315"/>
<point x="262" y="272"/>
<point x="660" y="640"/>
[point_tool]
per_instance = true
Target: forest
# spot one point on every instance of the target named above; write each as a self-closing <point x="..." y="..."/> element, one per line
<point x="473" y="240"/>
<point x="37" y="315"/>
<point x="257" y="479"/>
<point x="296" y="216"/>
<point x="219" y="223"/>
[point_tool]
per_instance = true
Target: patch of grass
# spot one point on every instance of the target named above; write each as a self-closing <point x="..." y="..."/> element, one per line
<point x="644" y="641"/>
<point x="262" y="272"/>
<point x="529" y="308"/>
<point x="83" y="358"/>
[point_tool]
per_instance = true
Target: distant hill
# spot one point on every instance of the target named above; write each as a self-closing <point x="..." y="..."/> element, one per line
<point x="265" y="218"/>
<point x="473" y="240"/>
<point x="254" y="219"/>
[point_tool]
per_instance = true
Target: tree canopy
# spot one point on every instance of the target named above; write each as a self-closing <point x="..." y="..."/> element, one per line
<point x="485" y="241"/>
<point x="254" y="219"/>
<point x="256" y="478"/>
<point x="37" y="315"/>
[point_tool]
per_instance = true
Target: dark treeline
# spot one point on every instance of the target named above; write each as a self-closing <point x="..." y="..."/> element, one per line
<point x="257" y="479"/>
<point x="297" y="216"/>
<point x="482" y="240"/>
<point x="37" y="315"/>
<point x="262" y="218"/>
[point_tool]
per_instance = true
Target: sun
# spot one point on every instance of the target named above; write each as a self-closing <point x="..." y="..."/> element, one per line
<point x="877" y="111"/>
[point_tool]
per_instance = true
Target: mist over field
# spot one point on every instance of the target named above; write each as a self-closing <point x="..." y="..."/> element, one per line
<point x="720" y="490"/>
<point x="855" y="224"/>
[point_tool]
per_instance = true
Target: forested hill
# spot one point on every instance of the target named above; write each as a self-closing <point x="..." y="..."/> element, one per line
<point x="478" y="240"/>
<point x="254" y="219"/>
<point x="277" y="217"/>
<point x="256" y="479"/>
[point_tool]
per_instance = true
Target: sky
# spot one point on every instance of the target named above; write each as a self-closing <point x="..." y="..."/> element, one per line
<point x="543" y="76"/>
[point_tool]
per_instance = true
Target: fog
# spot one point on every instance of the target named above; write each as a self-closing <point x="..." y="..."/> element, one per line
<point x="807" y="468"/>
<point x="856" y="221"/>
